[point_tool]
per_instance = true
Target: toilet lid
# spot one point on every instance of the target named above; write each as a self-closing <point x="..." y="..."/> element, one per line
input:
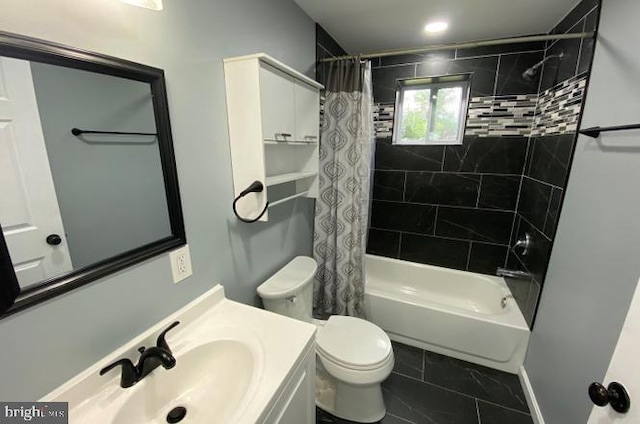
<point x="353" y="342"/>
<point x="290" y="279"/>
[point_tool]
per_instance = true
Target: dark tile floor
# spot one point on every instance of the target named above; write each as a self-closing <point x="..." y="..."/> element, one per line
<point x="427" y="388"/>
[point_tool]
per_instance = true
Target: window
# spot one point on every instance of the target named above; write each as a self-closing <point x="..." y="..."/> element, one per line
<point x="431" y="110"/>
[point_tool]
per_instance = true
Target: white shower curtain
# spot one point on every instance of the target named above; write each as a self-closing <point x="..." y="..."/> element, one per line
<point x="342" y="207"/>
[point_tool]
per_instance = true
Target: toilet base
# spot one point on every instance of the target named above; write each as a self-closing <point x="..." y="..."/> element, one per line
<point x="363" y="404"/>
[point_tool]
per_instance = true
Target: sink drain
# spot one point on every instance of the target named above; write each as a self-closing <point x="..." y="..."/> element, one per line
<point x="176" y="415"/>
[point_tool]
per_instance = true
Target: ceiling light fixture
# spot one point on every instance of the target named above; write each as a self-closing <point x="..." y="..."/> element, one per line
<point x="435" y="27"/>
<point x="147" y="4"/>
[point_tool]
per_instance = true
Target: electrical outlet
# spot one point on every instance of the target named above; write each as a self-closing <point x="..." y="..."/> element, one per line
<point x="180" y="263"/>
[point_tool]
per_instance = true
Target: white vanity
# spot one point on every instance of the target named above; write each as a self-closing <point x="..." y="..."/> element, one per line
<point x="234" y="364"/>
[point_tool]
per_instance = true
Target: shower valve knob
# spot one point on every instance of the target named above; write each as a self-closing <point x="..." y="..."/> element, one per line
<point x="526" y="243"/>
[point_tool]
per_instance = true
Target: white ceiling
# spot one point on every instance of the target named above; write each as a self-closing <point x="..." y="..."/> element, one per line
<point x="365" y="26"/>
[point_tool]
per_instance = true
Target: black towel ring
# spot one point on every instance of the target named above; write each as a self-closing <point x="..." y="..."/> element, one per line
<point x="255" y="187"/>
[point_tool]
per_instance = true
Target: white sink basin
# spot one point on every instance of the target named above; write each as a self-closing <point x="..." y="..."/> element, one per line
<point x="231" y="361"/>
<point x="210" y="381"/>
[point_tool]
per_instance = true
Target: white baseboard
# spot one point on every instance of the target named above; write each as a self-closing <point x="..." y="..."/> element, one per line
<point x="534" y="408"/>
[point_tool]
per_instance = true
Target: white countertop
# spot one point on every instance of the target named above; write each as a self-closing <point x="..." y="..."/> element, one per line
<point x="278" y="344"/>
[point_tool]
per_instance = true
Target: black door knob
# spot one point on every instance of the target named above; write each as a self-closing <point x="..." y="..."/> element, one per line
<point x="615" y="394"/>
<point x="54" y="239"/>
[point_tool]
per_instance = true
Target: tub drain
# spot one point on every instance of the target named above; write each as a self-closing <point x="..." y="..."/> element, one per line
<point x="176" y="415"/>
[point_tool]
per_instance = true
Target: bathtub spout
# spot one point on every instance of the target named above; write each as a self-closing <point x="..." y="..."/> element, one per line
<point x="511" y="273"/>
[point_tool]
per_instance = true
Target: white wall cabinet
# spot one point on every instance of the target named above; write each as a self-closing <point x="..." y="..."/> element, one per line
<point x="274" y="124"/>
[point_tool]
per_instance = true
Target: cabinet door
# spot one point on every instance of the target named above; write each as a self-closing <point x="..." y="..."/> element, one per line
<point x="277" y="104"/>
<point x="300" y="408"/>
<point x="307" y="103"/>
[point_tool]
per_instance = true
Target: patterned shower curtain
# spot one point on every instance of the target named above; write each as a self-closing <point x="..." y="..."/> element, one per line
<point x="342" y="207"/>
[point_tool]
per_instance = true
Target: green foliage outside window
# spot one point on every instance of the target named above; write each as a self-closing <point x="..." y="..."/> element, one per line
<point x="415" y="120"/>
<point x="447" y="119"/>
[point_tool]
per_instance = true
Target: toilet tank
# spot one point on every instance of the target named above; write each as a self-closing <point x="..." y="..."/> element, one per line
<point x="289" y="291"/>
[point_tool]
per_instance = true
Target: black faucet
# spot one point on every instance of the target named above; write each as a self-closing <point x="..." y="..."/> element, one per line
<point x="150" y="359"/>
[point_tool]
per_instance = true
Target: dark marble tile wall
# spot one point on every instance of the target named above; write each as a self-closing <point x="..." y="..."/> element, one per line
<point x="326" y="47"/>
<point x="548" y="163"/>
<point x="497" y="71"/>
<point x="450" y="206"/>
<point x="576" y="53"/>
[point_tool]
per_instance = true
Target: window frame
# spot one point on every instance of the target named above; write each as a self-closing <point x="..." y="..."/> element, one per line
<point x="434" y="84"/>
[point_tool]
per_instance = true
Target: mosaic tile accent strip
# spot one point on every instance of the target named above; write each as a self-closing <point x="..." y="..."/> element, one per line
<point x="383" y="119"/>
<point x="487" y="116"/>
<point x="323" y="100"/>
<point x="501" y="116"/>
<point x="556" y="111"/>
<point x="559" y="108"/>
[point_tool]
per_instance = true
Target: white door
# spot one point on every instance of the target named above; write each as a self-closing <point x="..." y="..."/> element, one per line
<point x="624" y="369"/>
<point x="29" y="211"/>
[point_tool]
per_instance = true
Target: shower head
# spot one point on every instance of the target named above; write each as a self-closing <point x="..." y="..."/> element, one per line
<point x="531" y="73"/>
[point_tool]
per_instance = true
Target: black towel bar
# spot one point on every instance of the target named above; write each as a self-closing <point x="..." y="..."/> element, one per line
<point x="594" y="132"/>
<point x="78" y="131"/>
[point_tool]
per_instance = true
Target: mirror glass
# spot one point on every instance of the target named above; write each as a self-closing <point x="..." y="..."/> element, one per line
<point x="72" y="198"/>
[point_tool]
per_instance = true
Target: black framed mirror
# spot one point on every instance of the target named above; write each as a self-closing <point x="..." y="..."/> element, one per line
<point x="88" y="180"/>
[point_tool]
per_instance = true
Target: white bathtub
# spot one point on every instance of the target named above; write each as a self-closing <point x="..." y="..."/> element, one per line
<point x="454" y="313"/>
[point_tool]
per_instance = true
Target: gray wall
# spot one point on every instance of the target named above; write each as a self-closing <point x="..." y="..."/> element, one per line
<point x="46" y="345"/>
<point x="594" y="264"/>
<point x="110" y="189"/>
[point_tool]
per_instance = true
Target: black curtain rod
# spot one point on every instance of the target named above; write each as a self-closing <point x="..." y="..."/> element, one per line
<point x="78" y="132"/>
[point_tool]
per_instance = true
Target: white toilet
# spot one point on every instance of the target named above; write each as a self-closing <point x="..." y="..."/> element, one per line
<point x="353" y="356"/>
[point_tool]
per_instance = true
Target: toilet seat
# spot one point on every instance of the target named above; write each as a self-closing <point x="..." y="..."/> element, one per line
<point x="354" y="344"/>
